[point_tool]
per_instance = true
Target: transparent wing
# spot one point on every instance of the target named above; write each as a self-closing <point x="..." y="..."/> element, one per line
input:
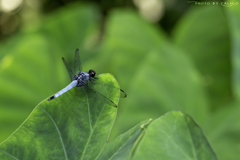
<point x="122" y="94"/>
<point x="102" y="97"/>
<point x="77" y="62"/>
<point x="70" y="72"/>
<point x="100" y="88"/>
<point x="98" y="82"/>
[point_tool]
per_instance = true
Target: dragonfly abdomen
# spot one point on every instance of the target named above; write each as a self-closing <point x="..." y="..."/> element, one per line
<point x="67" y="88"/>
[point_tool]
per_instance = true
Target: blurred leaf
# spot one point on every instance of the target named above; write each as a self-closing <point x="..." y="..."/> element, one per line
<point x="9" y="44"/>
<point x="73" y="126"/>
<point x="71" y="27"/>
<point x="174" y="136"/>
<point x="169" y="87"/>
<point x="204" y="34"/>
<point x="224" y="135"/>
<point x="159" y="76"/>
<point x="31" y="68"/>
<point x="24" y="80"/>
<point x="233" y="15"/>
<point x="128" y="41"/>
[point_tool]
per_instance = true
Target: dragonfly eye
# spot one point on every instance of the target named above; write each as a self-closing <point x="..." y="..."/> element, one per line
<point x="92" y="73"/>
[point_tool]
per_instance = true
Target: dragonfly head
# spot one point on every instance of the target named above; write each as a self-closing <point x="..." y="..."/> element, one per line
<point x="92" y="73"/>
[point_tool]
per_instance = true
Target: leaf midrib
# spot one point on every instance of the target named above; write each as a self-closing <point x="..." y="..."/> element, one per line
<point x="174" y="142"/>
<point x="92" y="129"/>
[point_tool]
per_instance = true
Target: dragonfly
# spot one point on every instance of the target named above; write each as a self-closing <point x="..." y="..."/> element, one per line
<point x="82" y="79"/>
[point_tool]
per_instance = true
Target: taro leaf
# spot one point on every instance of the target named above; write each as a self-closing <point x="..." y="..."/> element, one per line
<point x="174" y="136"/>
<point x="32" y="82"/>
<point x="73" y="126"/>
<point x="70" y="27"/>
<point x="224" y="135"/>
<point x="30" y="62"/>
<point x="204" y="34"/>
<point x="165" y="81"/>
<point x="158" y="76"/>
<point x="128" y="40"/>
<point x="122" y="146"/>
<point x="225" y="122"/>
<point x="233" y="15"/>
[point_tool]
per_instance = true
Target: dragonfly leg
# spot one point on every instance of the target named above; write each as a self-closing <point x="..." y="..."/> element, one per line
<point x="91" y="80"/>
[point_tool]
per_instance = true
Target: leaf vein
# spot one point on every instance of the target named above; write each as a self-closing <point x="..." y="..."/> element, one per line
<point x="173" y="141"/>
<point x="92" y="132"/>
<point x="59" y="133"/>
<point x="10" y="155"/>
<point x="194" y="150"/>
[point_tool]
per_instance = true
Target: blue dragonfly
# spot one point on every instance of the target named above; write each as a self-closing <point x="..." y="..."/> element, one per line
<point x="82" y="79"/>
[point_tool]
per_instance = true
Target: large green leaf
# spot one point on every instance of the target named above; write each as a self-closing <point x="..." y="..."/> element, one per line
<point x="224" y="135"/>
<point x="158" y="76"/>
<point x="22" y="86"/>
<point x="174" y="136"/>
<point x="170" y="87"/>
<point x="75" y="125"/>
<point x="31" y="62"/>
<point x="127" y="43"/>
<point x="71" y="27"/>
<point x="233" y="14"/>
<point x="204" y="34"/>
<point x="123" y="146"/>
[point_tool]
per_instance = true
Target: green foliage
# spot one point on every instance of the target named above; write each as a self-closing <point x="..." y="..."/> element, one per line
<point x="76" y="125"/>
<point x="174" y="136"/>
<point x="31" y="63"/>
<point x="196" y="72"/>
<point x="208" y="44"/>
<point x="233" y="15"/>
<point x="148" y="64"/>
<point x="72" y="126"/>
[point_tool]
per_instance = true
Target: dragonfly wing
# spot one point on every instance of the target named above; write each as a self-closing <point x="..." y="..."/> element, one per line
<point x="98" y="82"/>
<point x="77" y="62"/>
<point x="70" y="72"/>
<point x="104" y="98"/>
<point x="122" y="94"/>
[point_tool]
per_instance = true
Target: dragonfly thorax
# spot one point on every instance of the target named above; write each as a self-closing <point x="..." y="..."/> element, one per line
<point x="82" y="78"/>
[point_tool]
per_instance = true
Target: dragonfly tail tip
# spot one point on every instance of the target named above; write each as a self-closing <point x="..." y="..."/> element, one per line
<point x="51" y="98"/>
